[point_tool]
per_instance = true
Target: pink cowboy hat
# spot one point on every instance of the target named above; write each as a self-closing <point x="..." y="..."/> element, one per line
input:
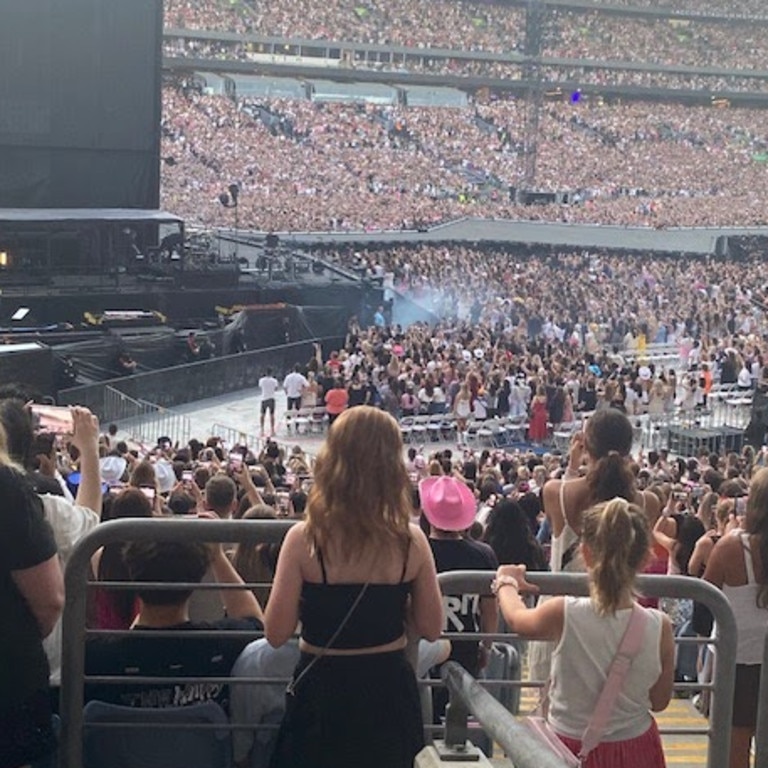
<point x="448" y="504"/>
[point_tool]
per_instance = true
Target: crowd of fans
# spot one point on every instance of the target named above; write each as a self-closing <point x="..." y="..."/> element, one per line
<point x="550" y="74"/>
<point x="305" y="165"/>
<point x="690" y="503"/>
<point x="572" y="34"/>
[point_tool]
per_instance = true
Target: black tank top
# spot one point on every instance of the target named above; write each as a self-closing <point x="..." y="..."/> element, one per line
<point x="378" y="619"/>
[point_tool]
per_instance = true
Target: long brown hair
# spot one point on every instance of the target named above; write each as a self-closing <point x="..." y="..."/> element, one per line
<point x="619" y="539"/>
<point x="757" y="525"/>
<point x="361" y="495"/>
<point x="608" y="439"/>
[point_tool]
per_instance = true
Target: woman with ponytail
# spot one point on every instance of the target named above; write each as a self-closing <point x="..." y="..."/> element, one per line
<point x="615" y="544"/>
<point x="599" y="469"/>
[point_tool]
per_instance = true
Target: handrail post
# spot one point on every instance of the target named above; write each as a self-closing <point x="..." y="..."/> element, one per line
<point x="519" y="743"/>
<point x="456" y="730"/>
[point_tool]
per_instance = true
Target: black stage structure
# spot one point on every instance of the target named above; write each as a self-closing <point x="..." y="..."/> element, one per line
<point x="81" y="103"/>
<point x="59" y="264"/>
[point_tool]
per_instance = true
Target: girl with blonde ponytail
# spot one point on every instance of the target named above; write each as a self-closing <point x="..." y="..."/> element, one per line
<point x="615" y="545"/>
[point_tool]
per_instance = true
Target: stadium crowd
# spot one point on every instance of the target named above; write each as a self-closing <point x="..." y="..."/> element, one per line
<point x="551" y="75"/>
<point x="305" y="165"/>
<point x="497" y="517"/>
<point x="572" y="34"/>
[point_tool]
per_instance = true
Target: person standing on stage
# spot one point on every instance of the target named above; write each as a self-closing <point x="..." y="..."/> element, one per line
<point x="268" y="385"/>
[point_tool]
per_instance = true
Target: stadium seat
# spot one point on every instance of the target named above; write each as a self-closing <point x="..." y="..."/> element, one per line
<point x="107" y="745"/>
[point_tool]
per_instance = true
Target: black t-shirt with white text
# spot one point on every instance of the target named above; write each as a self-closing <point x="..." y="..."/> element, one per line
<point x="462" y="612"/>
<point x="185" y="656"/>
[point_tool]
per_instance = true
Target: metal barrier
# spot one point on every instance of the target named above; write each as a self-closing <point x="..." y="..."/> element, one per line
<point x="76" y="578"/>
<point x="233" y="436"/>
<point x="652" y="586"/>
<point x="761" y="735"/>
<point x="272" y="531"/>
<point x="518" y="743"/>
<point x="145" y="422"/>
<point x="197" y="381"/>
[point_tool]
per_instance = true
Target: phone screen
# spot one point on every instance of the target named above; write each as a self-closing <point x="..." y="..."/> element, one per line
<point x="235" y="460"/>
<point x="51" y="418"/>
<point x="187" y="475"/>
<point x="149" y="493"/>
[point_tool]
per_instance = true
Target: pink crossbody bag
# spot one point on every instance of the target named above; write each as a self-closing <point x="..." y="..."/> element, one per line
<point x="630" y="646"/>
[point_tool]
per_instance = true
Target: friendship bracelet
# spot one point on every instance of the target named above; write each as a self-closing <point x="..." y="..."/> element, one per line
<point x="504" y="581"/>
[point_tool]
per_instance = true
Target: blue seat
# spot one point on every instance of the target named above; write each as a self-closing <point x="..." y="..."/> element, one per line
<point x="166" y="747"/>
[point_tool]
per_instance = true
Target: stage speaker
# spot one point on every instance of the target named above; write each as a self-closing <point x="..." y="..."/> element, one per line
<point x="272" y="240"/>
<point x="721" y="247"/>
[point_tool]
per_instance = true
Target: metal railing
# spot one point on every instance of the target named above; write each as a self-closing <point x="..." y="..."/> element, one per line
<point x="472" y="582"/>
<point x="198" y="381"/>
<point x="74" y="630"/>
<point x="724" y="639"/>
<point x="468" y="696"/>
<point x="233" y="436"/>
<point x="144" y="422"/>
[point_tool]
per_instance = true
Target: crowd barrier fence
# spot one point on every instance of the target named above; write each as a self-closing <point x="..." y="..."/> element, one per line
<point x="188" y="383"/>
<point x="272" y="531"/>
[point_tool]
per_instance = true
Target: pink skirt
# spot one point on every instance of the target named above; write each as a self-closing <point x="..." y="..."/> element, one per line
<point x="645" y="751"/>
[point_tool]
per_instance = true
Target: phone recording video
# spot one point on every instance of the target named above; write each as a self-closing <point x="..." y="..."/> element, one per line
<point x="236" y="461"/>
<point x="52" y="418"/>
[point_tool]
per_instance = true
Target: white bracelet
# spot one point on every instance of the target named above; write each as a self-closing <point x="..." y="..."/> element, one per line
<point x="504" y="581"/>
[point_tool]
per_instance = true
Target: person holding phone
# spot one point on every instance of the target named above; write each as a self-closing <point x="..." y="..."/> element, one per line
<point x="70" y="521"/>
<point x="604" y="449"/>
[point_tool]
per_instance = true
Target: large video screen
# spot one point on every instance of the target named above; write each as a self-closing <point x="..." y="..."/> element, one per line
<point x="80" y="103"/>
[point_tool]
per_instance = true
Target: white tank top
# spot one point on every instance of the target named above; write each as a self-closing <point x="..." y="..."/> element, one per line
<point x="566" y="545"/>
<point x="580" y="665"/>
<point x="564" y="554"/>
<point x="751" y="620"/>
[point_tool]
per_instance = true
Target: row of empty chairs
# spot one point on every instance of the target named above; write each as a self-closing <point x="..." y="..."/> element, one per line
<point x="428" y="428"/>
<point x="305" y="421"/>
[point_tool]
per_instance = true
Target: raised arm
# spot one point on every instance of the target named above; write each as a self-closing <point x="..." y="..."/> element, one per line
<point x="86" y="439"/>
<point x="238" y="603"/>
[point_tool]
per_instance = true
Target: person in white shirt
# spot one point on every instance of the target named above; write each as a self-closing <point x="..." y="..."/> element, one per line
<point x="615" y="540"/>
<point x="268" y="385"/>
<point x="294" y="384"/>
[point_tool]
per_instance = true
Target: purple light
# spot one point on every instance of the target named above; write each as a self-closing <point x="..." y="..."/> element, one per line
<point x="575" y="97"/>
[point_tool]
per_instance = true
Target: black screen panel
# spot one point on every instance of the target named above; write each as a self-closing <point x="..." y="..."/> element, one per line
<point x="80" y="103"/>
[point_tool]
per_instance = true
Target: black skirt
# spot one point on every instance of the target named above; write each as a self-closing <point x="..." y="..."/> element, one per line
<point x="349" y="711"/>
